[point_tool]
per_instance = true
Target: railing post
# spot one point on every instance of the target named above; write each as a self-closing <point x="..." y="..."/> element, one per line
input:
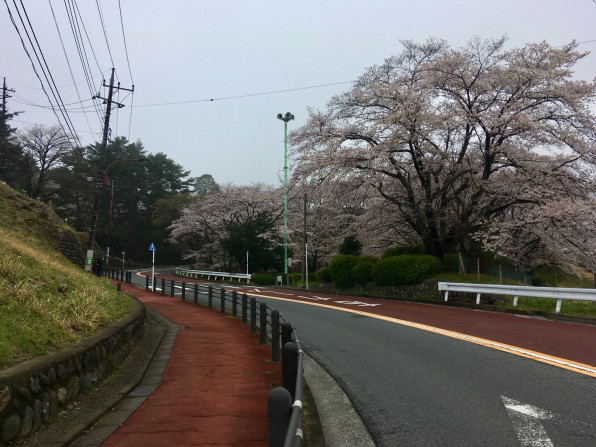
<point x="275" y="336"/>
<point x="286" y="333"/>
<point x="244" y="308"/>
<point x="279" y="412"/>
<point x="121" y="274"/>
<point x="146" y="283"/>
<point x="222" y="300"/>
<point x="289" y="367"/>
<point x="154" y="284"/>
<point x="196" y="298"/>
<point x="253" y="315"/>
<point x="163" y="286"/>
<point x="172" y="288"/>
<point x="183" y="291"/>
<point x="263" y="323"/>
<point x="234" y="303"/>
<point x="210" y="298"/>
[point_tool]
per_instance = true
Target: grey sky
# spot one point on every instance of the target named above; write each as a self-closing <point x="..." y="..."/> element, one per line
<point x="198" y="50"/>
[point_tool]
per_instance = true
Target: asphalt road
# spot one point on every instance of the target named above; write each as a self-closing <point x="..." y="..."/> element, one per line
<point x="415" y="388"/>
<point x="418" y="388"/>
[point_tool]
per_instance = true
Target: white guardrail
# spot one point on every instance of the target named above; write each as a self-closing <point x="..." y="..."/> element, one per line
<point x="215" y="275"/>
<point x="557" y="293"/>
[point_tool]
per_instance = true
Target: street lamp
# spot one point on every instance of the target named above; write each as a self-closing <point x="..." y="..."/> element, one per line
<point x="285" y="118"/>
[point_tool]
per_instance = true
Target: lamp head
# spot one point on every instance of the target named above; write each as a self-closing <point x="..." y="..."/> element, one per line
<point x="279" y="117"/>
<point x="289" y="116"/>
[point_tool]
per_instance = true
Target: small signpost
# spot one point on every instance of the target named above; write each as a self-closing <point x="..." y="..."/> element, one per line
<point x="153" y="249"/>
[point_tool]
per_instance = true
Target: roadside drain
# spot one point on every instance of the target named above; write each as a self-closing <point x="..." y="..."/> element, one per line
<point x="142" y="391"/>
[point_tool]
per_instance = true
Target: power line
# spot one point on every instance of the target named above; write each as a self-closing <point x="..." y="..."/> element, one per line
<point x="71" y="12"/>
<point x="64" y="114"/>
<point x="104" y="31"/>
<point x="125" y="46"/>
<point x="243" y="96"/>
<point x="68" y="61"/>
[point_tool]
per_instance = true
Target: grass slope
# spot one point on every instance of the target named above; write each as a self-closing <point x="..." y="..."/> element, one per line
<point x="46" y="302"/>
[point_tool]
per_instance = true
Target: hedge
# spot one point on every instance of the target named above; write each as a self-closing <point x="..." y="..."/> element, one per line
<point x="323" y="275"/>
<point x="362" y="272"/>
<point x="405" y="269"/>
<point x="340" y="269"/>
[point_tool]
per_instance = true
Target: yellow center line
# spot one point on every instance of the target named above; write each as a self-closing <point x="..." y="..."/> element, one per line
<point x="570" y="365"/>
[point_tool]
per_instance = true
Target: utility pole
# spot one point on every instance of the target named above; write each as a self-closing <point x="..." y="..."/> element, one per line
<point x="5" y="147"/>
<point x="101" y="169"/>
<point x="305" y="258"/>
<point x="5" y="96"/>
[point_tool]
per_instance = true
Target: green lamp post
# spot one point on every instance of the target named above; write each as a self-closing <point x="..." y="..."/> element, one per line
<point x="285" y="118"/>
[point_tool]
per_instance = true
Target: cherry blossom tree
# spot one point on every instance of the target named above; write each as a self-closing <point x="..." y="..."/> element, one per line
<point x="450" y="140"/>
<point x="206" y="226"/>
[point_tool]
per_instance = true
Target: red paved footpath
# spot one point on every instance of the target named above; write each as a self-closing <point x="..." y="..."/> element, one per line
<point x="215" y="388"/>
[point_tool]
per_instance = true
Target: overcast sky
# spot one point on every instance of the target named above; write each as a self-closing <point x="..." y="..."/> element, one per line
<point x="254" y="58"/>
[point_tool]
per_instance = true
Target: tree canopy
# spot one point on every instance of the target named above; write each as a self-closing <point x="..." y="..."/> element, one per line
<point x="447" y="144"/>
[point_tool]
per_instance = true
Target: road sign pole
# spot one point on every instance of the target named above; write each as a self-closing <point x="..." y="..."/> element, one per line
<point x="153" y="249"/>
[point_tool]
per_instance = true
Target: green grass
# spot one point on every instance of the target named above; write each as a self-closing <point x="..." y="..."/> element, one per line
<point x="46" y="302"/>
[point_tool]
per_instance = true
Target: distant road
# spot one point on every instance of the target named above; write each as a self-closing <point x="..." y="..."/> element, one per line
<point x="415" y="386"/>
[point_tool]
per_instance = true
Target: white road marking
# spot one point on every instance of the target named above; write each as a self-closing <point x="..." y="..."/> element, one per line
<point x="281" y="293"/>
<point x="316" y="298"/>
<point x="357" y="303"/>
<point x="526" y="421"/>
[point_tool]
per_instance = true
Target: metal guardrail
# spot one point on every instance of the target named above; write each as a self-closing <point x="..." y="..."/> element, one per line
<point x="284" y="404"/>
<point x="187" y="273"/>
<point x="120" y="275"/>
<point x="557" y="293"/>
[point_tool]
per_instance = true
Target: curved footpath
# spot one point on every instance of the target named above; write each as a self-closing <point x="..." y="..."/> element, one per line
<point x="214" y="390"/>
<point x="206" y="385"/>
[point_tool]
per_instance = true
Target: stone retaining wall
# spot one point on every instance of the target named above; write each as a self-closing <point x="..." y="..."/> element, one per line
<point x="34" y="391"/>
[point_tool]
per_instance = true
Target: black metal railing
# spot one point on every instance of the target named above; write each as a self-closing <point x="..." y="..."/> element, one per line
<point x="119" y="275"/>
<point x="284" y="404"/>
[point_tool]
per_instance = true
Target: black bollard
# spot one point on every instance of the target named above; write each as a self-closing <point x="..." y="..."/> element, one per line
<point x="234" y="303"/>
<point x="196" y="297"/>
<point x="253" y="315"/>
<point x="244" y="308"/>
<point x="172" y="288"/>
<point x="222" y="300"/>
<point x="146" y="283"/>
<point x="279" y="412"/>
<point x="183" y="291"/>
<point x="263" y="323"/>
<point x="286" y="333"/>
<point x="289" y="367"/>
<point x="275" y="336"/>
<point x="210" y="298"/>
<point x="163" y="286"/>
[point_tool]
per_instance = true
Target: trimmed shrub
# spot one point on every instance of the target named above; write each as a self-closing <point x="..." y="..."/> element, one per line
<point x="263" y="279"/>
<point x="340" y="269"/>
<point x="404" y="250"/>
<point x="449" y="263"/>
<point x="405" y="269"/>
<point x="362" y="272"/>
<point x="323" y="275"/>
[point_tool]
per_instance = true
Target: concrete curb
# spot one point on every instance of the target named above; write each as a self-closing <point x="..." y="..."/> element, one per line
<point x="341" y="424"/>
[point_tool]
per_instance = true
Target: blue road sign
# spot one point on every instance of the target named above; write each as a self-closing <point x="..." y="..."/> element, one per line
<point x="152" y="247"/>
